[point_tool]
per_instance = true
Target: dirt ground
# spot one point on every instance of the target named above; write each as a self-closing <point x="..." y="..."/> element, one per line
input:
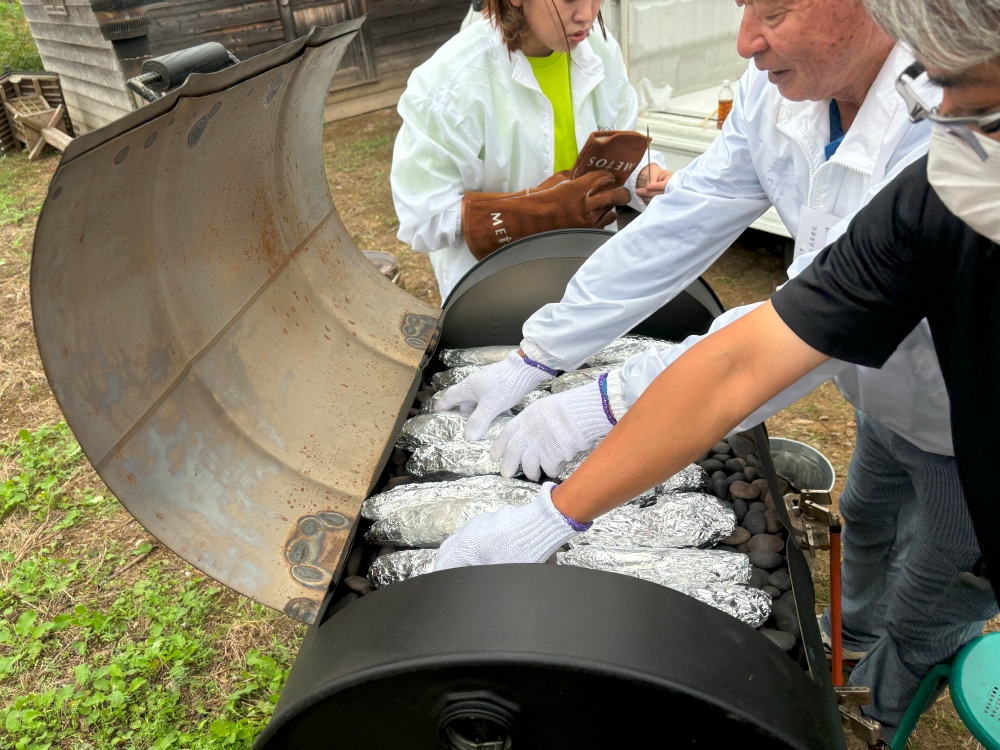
<point x="358" y="155"/>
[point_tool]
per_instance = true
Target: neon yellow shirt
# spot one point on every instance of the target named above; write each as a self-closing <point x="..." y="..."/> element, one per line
<point x="552" y="74"/>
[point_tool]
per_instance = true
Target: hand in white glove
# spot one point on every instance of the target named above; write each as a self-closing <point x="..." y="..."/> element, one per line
<point x="552" y="431"/>
<point x="493" y="390"/>
<point x="515" y="534"/>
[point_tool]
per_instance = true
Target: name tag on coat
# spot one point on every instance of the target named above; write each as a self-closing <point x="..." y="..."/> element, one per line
<point x="813" y="228"/>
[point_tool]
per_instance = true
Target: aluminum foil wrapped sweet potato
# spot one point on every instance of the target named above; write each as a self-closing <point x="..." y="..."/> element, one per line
<point x="428" y="525"/>
<point x="621" y="349"/>
<point x="442" y="427"/>
<point x="398" y="566"/>
<point x="676" y="519"/>
<point x="477" y="355"/>
<point x="511" y="491"/>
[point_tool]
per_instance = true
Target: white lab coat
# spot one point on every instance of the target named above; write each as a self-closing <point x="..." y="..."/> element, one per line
<point x="770" y="152"/>
<point x="475" y="119"/>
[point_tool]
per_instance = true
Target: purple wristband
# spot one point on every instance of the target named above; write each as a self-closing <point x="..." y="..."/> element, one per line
<point x="576" y="525"/>
<point x="602" y="383"/>
<point x="532" y="363"/>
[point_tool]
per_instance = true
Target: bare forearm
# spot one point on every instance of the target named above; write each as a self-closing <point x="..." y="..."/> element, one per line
<point x="689" y="407"/>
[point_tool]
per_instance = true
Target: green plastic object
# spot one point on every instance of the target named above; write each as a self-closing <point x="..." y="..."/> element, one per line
<point x="974" y="680"/>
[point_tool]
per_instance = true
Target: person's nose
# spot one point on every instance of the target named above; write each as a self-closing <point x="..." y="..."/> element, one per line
<point x="585" y="13"/>
<point x="947" y="105"/>
<point x="750" y="41"/>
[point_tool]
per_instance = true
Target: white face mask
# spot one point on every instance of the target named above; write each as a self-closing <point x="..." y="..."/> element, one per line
<point x="967" y="185"/>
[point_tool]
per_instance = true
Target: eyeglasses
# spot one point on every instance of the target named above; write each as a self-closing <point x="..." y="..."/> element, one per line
<point x="958" y="126"/>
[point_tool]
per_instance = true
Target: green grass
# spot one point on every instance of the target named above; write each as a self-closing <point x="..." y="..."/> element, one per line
<point x="17" y="47"/>
<point x="359" y="153"/>
<point x="22" y="185"/>
<point x="90" y="661"/>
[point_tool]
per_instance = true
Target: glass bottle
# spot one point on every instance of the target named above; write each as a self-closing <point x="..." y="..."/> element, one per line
<point x="725" y="102"/>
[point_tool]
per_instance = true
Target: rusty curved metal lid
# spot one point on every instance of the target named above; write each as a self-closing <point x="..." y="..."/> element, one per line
<point x="231" y="364"/>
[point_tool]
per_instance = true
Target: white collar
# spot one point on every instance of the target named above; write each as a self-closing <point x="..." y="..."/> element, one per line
<point x="809" y="122"/>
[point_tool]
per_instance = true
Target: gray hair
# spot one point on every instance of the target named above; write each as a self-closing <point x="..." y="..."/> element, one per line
<point x="950" y="34"/>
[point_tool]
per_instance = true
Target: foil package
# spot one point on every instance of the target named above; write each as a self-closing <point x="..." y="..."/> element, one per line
<point x="427" y="407"/>
<point x="442" y="427"/>
<point x="692" y="478"/>
<point x="448" y="378"/>
<point x="503" y="490"/>
<point x="398" y="566"/>
<point x="750" y="605"/>
<point x="678" y="519"/>
<point x="458" y="458"/>
<point x="667" y="567"/>
<point x="477" y="355"/>
<point x="428" y="525"/>
<point x="576" y="379"/>
<point x="621" y="349"/>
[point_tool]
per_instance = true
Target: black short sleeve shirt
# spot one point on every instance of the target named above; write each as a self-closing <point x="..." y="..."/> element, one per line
<point x="906" y="257"/>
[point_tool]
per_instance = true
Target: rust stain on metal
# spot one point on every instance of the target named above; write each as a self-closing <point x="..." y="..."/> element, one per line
<point x="207" y="418"/>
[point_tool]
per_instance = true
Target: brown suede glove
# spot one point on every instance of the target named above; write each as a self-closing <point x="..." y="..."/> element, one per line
<point x="618" y="151"/>
<point x="492" y="220"/>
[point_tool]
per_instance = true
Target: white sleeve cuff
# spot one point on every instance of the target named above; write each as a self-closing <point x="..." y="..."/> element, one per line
<point x="656" y="158"/>
<point x="531" y="351"/>
<point x="616" y="393"/>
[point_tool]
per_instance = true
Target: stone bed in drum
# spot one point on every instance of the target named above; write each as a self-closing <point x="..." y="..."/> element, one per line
<point x="710" y="532"/>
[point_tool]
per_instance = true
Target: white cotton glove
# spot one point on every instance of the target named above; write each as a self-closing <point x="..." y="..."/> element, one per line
<point x="514" y="534"/>
<point x="552" y="431"/>
<point x="492" y="390"/>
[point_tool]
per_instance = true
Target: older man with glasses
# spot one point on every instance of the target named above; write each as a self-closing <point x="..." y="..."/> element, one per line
<point x="925" y="249"/>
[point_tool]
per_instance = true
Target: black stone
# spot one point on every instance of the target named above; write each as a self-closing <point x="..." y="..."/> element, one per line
<point x="724" y="548"/>
<point x="758" y="578"/>
<point x="745" y="491"/>
<point x="751" y="473"/>
<point x="396" y="481"/>
<point x="758" y="506"/>
<point x="720" y="489"/>
<point x="722" y="447"/>
<point x="766" y="542"/>
<point x="719" y="475"/>
<point x="783" y="612"/>
<point x="753" y="461"/>
<point x="780" y="579"/>
<point x="740" y="509"/>
<point x="412" y="413"/>
<point x="754" y="522"/>
<point x="741" y="446"/>
<point x="773" y="522"/>
<point x="783" y="640"/>
<point x="765" y="559"/>
<point x="402" y="472"/>
<point x="742" y="548"/>
<point x="353" y="562"/>
<point x="733" y="465"/>
<point x="358" y="584"/>
<point x="771" y="592"/>
<point x="721" y="457"/>
<point x="711" y="465"/>
<point x="738" y="537"/>
<point x="737" y="477"/>
<point x="399" y="457"/>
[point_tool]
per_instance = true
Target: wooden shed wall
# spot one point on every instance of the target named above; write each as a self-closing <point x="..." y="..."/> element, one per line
<point x="72" y="46"/>
<point x="404" y="34"/>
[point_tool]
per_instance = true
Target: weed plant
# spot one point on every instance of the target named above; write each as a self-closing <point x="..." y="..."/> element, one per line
<point x="93" y="658"/>
<point x="17" y="47"/>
